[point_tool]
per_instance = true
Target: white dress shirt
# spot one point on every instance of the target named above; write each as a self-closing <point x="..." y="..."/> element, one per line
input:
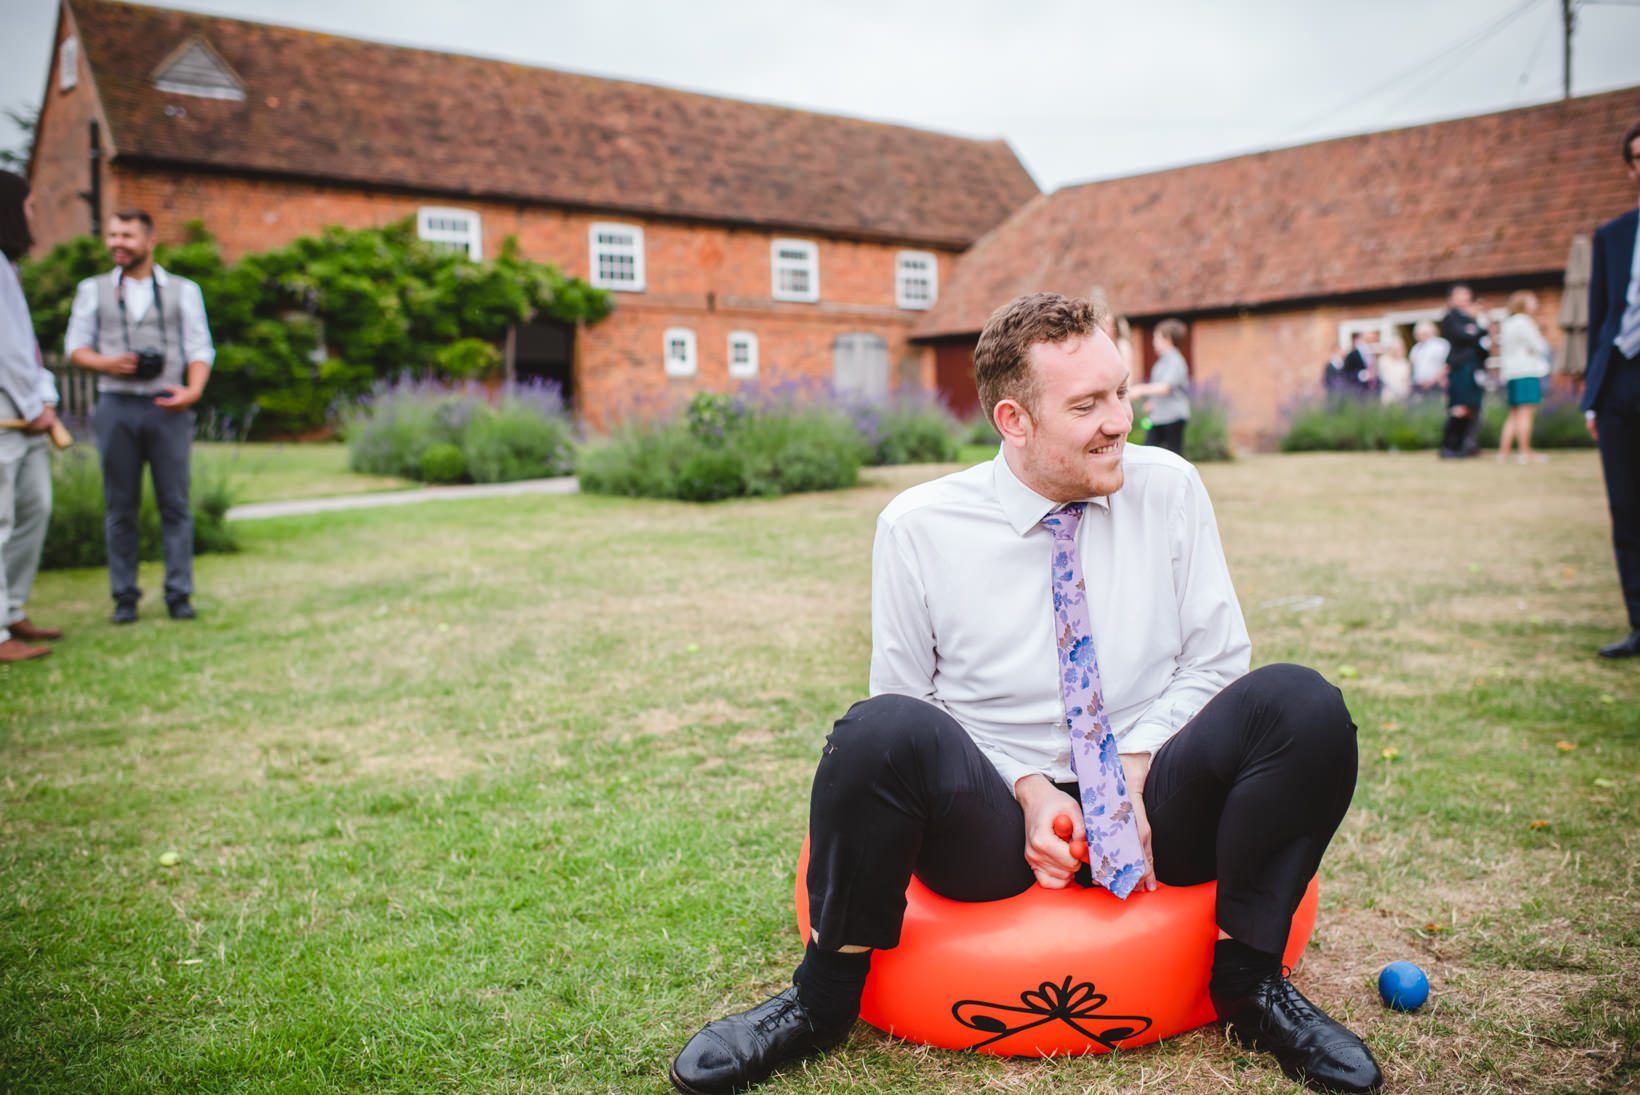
<point x="27" y="386"/>
<point x="1428" y="359"/>
<point x="962" y="608"/>
<point x="139" y="297"/>
<point x="1634" y="269"/>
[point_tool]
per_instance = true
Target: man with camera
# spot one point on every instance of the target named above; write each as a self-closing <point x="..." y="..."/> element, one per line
<point x="145" y="331"/>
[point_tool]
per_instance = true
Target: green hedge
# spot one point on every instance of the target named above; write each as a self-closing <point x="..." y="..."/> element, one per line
<point x="312" y="326"/>
<point x="75" y="536"/>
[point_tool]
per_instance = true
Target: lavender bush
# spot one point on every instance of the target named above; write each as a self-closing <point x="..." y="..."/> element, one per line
<point x="527" y="434"/>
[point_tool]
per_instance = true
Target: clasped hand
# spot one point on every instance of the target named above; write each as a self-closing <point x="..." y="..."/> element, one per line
<point x="1047" y="853"/>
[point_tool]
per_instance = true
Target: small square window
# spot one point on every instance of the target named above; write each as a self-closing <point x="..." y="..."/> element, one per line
<point x="795" y="265"/>
<point x="452" y="229"/>
<point x="617" y="257"/>
<point x="742" y="355"/>
<point x="68" y="64"/>
<point x="678" y="345"/>
<point x="916" y="279"/>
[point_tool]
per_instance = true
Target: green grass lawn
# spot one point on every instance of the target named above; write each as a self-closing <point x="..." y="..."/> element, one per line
<point x="266" y="471"/>
<point x="504" y="795"/>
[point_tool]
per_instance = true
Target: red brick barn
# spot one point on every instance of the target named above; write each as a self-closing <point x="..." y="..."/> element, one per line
<point x="744" y="242"/>
<point x="1272" y="258"/>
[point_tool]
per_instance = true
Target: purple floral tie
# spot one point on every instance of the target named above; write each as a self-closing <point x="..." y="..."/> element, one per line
<point x="1115" y="855"/>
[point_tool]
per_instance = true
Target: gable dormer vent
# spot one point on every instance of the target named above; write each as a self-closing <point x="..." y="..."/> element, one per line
<point x="195" y="69"/>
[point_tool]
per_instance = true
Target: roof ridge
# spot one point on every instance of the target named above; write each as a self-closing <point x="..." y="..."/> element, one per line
<point x="1254" y="153"/>
<point x="486" y="59"/>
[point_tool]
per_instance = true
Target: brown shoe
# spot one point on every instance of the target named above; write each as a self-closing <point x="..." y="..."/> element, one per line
<point x="16" y="650"/>
<point x="22" y="629"/>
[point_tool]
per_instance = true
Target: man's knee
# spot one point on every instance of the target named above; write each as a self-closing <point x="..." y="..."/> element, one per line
<point x="884" y="741"/>
<point x="1303" y="706"/>
<point x="885" y="727"/>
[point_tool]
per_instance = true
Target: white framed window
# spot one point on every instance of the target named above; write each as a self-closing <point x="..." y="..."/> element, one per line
<point x="617" y="256"/>
<point x="916" y="279"/>
<point x="795" y="265"/>
<point x="679" y="347"/>
<point x="68" y="64"/>
<point x="455" y="229"/>
<point x="742" y="355"/>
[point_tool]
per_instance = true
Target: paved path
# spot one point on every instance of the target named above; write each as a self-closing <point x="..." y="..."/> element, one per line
<point x="255" y="510"/>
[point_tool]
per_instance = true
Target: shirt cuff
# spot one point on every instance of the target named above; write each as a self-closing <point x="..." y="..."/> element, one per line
<point x="1146" y="737"/>
<point x="29" y="404"/>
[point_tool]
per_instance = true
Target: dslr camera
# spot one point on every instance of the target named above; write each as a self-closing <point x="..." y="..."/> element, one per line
<point x="150" y="363"/>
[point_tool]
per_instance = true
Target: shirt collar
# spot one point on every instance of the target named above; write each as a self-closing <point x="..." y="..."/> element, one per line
<point x="161" y="278"/>
<point x="1024" y="507"/>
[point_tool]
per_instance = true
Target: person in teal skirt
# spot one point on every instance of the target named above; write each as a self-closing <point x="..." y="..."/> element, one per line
<point x="1523" y="362"/>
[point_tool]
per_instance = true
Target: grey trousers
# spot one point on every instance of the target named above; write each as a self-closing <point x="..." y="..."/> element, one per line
<point x="25" y="511"/>
<point x="132" y="431"/>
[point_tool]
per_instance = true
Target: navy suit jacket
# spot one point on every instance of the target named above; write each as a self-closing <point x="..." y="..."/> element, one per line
<point x="1608" y="293"/>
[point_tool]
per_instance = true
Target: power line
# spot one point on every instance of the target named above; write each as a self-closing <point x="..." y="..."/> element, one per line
<point x="1531" y="60"/>
<point x="1468" y="41"/>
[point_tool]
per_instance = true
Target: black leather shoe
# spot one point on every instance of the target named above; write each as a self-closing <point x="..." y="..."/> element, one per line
<point x="741" y="1051"/>
<point x="125" y="613"/>
<point x="1623" y="648"/>
<point x="1311" y="1047"/>
<point x="181" y="609"/>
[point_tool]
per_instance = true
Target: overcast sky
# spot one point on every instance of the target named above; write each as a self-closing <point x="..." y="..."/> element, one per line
<point x="1082" y="89"/>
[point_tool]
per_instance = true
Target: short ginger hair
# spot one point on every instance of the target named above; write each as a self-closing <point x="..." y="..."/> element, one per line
<point x="1002" y="359"/>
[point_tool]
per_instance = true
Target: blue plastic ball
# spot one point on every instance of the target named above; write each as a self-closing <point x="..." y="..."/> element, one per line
<point x="1403" y="986"/>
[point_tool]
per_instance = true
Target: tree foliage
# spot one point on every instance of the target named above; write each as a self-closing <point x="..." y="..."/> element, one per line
<point x="323" y="319"/>
<point x="26" y="120"/>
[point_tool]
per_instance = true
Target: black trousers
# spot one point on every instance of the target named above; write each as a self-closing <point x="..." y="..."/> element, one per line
<point x="1168" y="435"/>
<point x="132" y="431"/>
<point x="1617" y="420"/>
<point x="1249" y="792"/>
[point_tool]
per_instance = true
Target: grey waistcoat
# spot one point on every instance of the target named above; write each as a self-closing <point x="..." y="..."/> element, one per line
<point x="145" y="335"/>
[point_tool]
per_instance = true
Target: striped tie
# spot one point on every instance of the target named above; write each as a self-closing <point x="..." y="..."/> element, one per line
<point x="1628" y="332"/>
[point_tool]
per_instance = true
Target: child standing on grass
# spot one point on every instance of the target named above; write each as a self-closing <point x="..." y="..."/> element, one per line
<point x="1169" y="389"/>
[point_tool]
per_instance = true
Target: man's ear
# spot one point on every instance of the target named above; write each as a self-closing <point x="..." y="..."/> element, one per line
<point x="1013" y="422"/>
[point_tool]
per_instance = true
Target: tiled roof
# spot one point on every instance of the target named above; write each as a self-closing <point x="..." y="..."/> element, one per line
<point x="322" y="106"/>
<point x="1491" y="196"/>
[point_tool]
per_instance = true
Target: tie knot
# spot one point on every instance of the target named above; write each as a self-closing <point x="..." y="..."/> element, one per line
<point x="1062" y="522"/>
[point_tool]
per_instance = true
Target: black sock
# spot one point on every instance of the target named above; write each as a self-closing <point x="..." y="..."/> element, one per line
<point x="1238" y="967"/>
<point x="829" y="984"/>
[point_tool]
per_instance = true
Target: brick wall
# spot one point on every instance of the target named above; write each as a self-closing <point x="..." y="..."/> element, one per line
<point x="711" y="278"/>
<point x="62" y="167"/>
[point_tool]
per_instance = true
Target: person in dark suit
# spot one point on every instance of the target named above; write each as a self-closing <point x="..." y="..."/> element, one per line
<point x="1464" y="363"/>
<point x="1358" y="364"/>
<point x="1611" y="389"/>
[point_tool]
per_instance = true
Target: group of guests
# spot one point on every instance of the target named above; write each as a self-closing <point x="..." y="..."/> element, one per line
<point x="1457" y="357"/>
<point x="144" y="331"/>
